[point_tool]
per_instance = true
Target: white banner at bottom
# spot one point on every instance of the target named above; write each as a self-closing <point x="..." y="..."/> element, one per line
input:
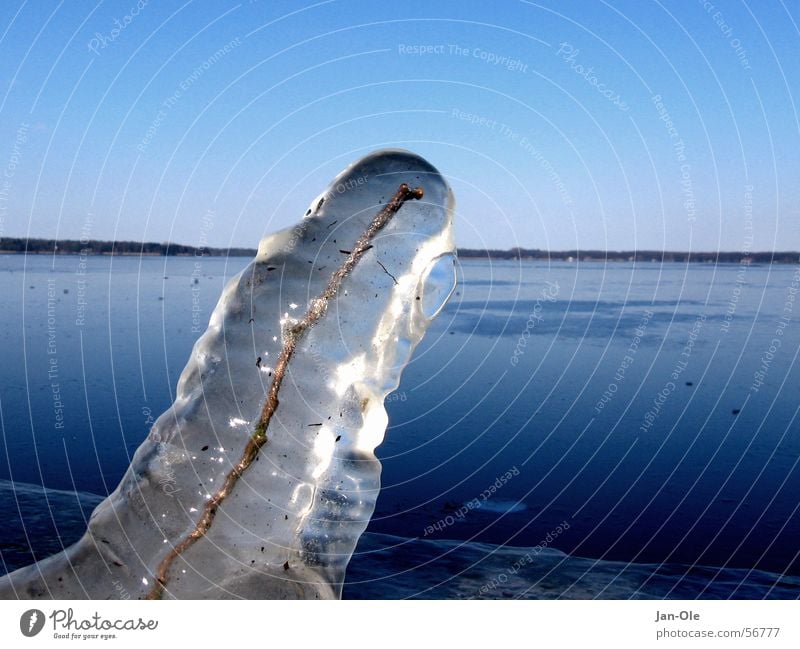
<point x="370" y="624"/>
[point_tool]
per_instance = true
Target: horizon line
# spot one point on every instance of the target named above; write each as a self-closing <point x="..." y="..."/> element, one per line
<point x="164" y="247"/>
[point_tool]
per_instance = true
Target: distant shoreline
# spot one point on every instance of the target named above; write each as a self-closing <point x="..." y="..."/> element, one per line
<point x="10" y="245"/>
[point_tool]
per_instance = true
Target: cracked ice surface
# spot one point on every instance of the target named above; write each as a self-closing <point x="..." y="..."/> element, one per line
<point x="290" y="520"/>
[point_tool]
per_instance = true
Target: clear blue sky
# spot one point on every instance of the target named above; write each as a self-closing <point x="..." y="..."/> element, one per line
<point x="544" y="116"/>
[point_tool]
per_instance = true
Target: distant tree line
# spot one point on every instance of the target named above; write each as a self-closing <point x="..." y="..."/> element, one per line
<point x="787" y="257"/>
<point x="92" y="247"/>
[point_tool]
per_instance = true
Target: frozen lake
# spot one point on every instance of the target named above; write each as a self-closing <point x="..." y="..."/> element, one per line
<point x="650" y="407"/>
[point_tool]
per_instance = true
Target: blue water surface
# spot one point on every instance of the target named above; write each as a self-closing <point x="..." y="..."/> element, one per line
<point x="653" y="407"/>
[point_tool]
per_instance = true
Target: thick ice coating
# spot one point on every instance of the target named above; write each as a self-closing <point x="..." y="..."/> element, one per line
<point x="261" y="477"/>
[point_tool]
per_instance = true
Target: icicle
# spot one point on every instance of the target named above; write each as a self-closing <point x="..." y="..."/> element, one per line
<point x="261" y="477"/>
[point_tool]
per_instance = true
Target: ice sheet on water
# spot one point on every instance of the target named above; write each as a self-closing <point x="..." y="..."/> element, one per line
<point x="390" y="567"/>
<point x="233" y="496"/>
<point x="35" y="520"/>
<point x="500" y="506"/>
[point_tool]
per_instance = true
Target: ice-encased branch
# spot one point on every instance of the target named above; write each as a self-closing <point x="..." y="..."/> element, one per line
<point x="222" y="500"/>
